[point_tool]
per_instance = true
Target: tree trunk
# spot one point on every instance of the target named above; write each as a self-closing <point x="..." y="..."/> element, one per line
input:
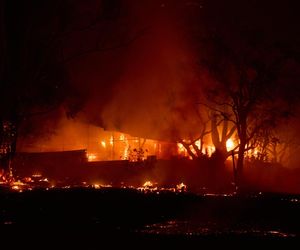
<point x="240" y="165"/>
<point x="241" y="154"/>
<point x="188" y="149"/>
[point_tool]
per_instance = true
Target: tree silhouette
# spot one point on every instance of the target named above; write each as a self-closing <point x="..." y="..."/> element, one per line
<point x="247" y="88"/>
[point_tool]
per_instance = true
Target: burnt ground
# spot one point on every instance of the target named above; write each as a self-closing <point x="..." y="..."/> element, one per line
<point x="84" y="218"/>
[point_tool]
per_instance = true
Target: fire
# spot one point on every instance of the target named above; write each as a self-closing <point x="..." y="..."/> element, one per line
<point x="45" y="180"/>
<point x="98" y="186"/>
<point x="111" y="141"/>
<point x="152" y="187"/>
<point x="124" y="139"/>
<point x="181" y="149"/>
<point x="36" y="175"/>
<point x="209" y="150"/>
<point x="148" y="184"/>
<point x="181" y="187"/>
<point x="91" y="157"/>
<point x="103" y="143"/>
<point x="230" y="145"/>
<point x="17" y="186"/>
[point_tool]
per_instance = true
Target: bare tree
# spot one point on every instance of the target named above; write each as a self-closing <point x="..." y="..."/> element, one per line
<point x="246" y="91"/>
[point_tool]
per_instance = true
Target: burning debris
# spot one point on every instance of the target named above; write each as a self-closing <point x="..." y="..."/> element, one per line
<point x="98" y="186"/>
<point x="181" y="187"/>
<point x="148" y="184"/>
<point x="36" y="181"/>
<point x="153" y="187"/>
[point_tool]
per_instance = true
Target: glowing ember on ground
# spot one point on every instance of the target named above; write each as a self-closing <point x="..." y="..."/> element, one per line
<point x="181" y="187"/>
<point x="148" y="184"/>
<point x="17" y="186"/>
<point x="45" y="180"/>
<point x="37" y="175"/>
<point x="98" y="186"/>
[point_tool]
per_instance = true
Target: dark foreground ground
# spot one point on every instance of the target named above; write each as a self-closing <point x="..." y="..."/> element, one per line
<point x="82" y="218"/>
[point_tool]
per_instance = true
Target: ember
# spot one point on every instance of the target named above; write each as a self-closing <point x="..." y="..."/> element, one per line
<point x="181" y="187"/>
<point x="91" y="157"/>
<point x="148" y="184"/>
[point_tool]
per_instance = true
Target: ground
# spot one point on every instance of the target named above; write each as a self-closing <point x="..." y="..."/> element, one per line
<point x="87" y="218"/>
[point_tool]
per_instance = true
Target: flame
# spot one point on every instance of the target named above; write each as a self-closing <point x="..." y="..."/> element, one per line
<point x="103" y="143"/>
<point x="15" y="187"/>
<point x="36" y="175"/>
<point x="91" y="157"/>
<point x="125" y="155"/>
<point x="111" y="141"/>
<point x="45" y="180"/>
<point x="98" y="186"/>
<point x="126" y="150"/>
<point x="230" y="144"/>
<point x="209" y="150"/>
<point x="148" y="184"/>
<point x="181" y="187"/>
<point x="181" y="149"/>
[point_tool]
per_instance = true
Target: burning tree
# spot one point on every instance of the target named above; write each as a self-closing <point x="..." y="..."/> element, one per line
<point x="246" y="91"/>
<point x="276" y="145"/>
<point x="215" y="133"/>
<point x="245" y="73"/>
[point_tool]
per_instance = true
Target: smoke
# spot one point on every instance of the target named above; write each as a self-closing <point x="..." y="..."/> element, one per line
<point x="148" y="88"/>
<point x="151" y="86"/>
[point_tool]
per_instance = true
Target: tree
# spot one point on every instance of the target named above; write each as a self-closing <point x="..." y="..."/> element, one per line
<point x="214" y="130"/>
<point x="277" y="145"/>
<point x="246" y="66"/>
